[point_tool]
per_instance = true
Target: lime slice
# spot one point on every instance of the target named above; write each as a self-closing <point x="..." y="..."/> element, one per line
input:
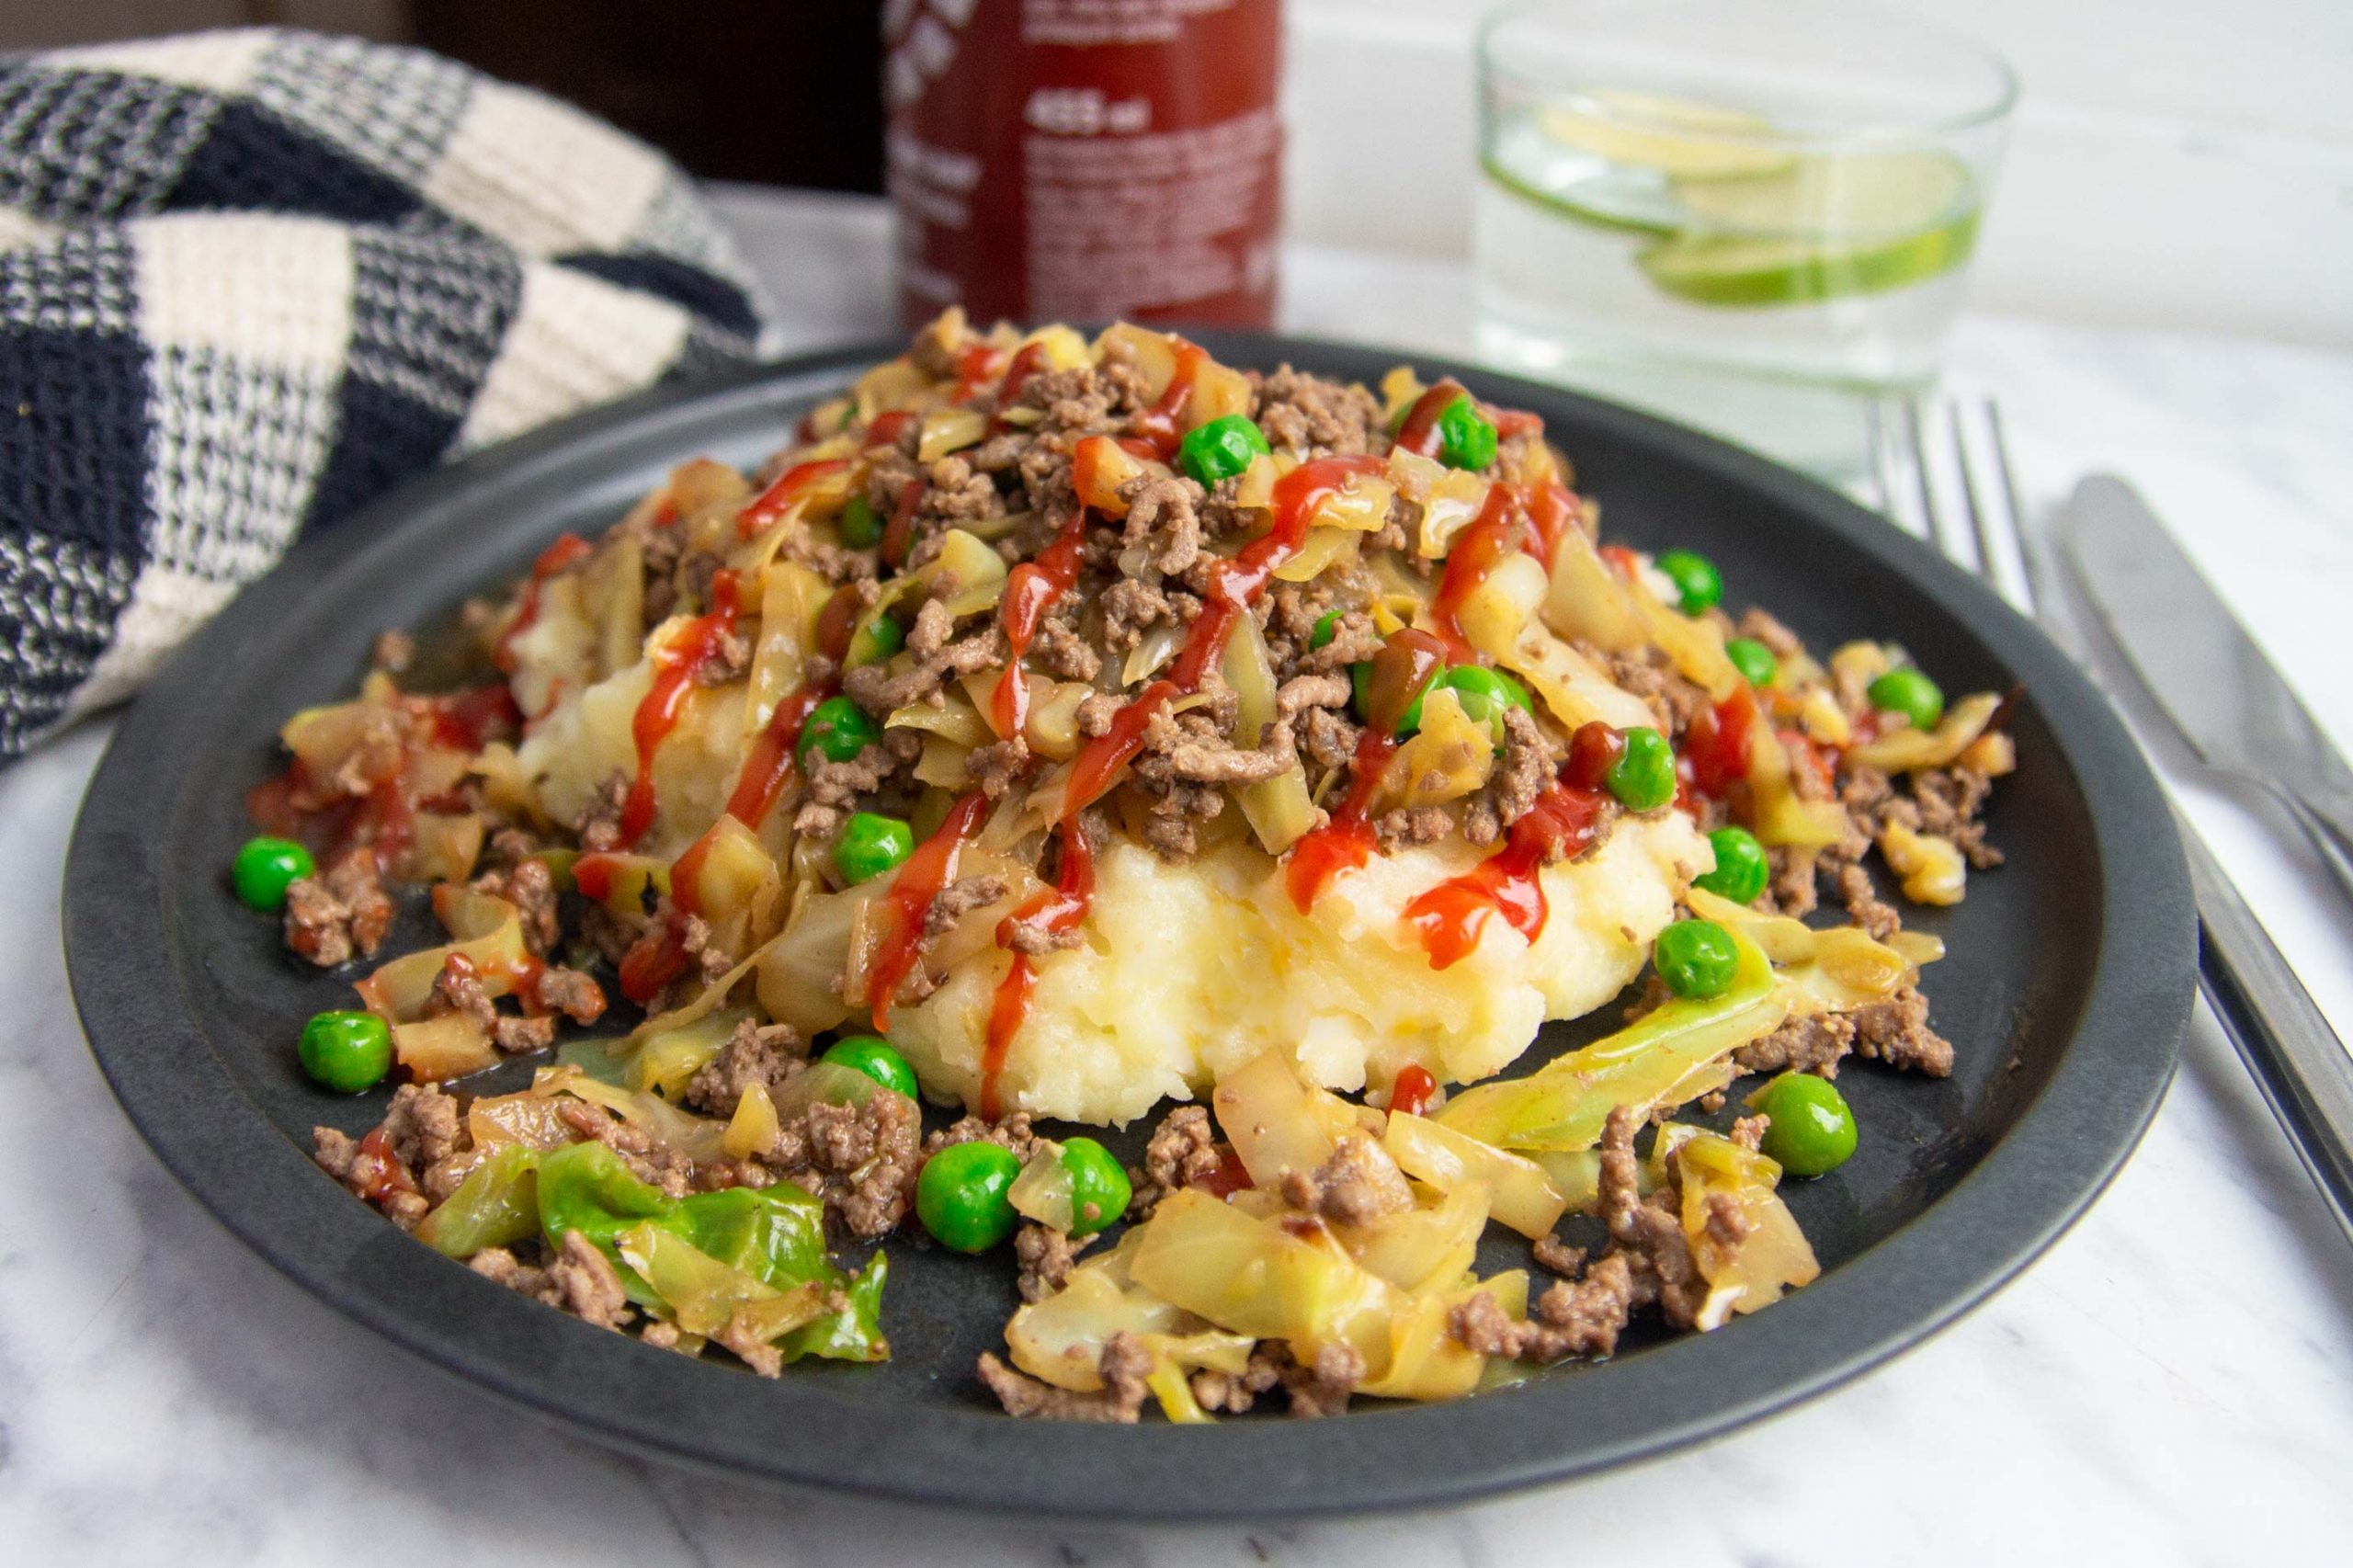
<point x="1848" y="195"/>
<point x="1671" y="135"/>
<point x="1733" y="269"/>
<point x="1602" y="203"/>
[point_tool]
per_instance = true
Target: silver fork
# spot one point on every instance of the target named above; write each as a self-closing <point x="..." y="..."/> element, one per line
<point x="2295" y="1057"/>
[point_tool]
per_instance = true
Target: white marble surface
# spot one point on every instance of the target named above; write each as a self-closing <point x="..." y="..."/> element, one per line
<point x="2173" y="1383"/>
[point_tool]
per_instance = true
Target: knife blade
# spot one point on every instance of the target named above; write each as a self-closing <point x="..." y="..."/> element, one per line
<point x="2299" y="1065"/>
<point x="2200" y="666"/>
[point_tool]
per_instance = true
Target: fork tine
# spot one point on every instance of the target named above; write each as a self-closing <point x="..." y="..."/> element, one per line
<point x="1876" y="439"/>
<point x="1986" y="568"/>
<point x="1894" y="460"/>
<point x="1938" y="533"/>
<point x="2013" y="514"/>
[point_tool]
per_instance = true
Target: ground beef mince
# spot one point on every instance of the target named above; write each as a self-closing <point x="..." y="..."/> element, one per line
<point x="1949" y="800"/>
<point x="1010" y="1133"/>
<point x="1044" y="1255"/>
<point x="1523" y="772"/>
<point x="599" y="826"/>
<point x="1322" y="1385"/>
<point x="1791" y="888"/>
<point x="862" y="1160"/>
<point x="1124" y="1367"/>
<point x="1233" y="1393"/>
<point x="543" y="778"/>
<point x="1646" y="1232"/>
<point x="1164" y="527"/>
<point x="1814" y="1044"/>
<point x="835" y="787"/>
<point x="579" y="1279"/>
<point x="765" y="1054"/>
<point x="571" y="991"/>
<point x="1313" y="417"/>
<point x="1183" y="1149"/>
<point x="880" y="692"/>
<point x="1673" y="700"/>
<point x="648" y="1158"/>
<point x="959" y="899"/>
<point x="1576" y="1317"/>
<point x="342" y="913"/>
<point x="585" y="1284"/>
<point x="1352" y="1187"/>
<point x="530" y="886"/>
<point x="1897" y="1032"/>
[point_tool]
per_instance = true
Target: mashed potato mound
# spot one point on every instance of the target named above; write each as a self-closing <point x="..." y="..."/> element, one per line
<point x="1189" y="972"/>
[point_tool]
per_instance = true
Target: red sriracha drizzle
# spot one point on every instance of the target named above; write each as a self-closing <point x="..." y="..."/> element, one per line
<point x="1406" y="665"/>
<point x="791" y="486"/>
<point x="674" y="666"/>
<point x="1717" y="746"/>
<point x="1158" y="424"/>
<point x="471" y="719"/>
<point x="899" y="532"/>
<point x="1234" y="585"/>
<point x="1419" y="433"/>
<point x="377" y="1171"/>
<point x="1345" y="841"/>
<point x="1056" y="910"/>
<point x="887" y="429"/>
<point x="1447" y="918"/>
<point x="1552" y="512"/>
<point x="567" y="548"/>
<point x="1562" y="821"/>
<point x="975" y="368"/>
<point x="1496" y="533"/>
<point x="1030" y="590"/>
<point x="1410" y="1095"/>
<point x="1027" y="360"/>
<point x="659" y="956"/>
<point x="930" y="869"/>
<point x="768" y="767"/>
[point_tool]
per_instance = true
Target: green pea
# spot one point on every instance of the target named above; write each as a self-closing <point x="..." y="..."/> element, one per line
<point x="1466" y="437"/>
<point x="1695" y="958"/>
<point x="873" y="1055"/>
<point x="839" y="729"/>
<point x="871" y="845"/>
<point x="1327" y="625"/>
<point x="346" y="1051"/>
<point x="1753" y="659"/>
<point x="1221" y="449"/>
<point x="1360" y="682"/>
<point x="962" y="1197"/>
<point x="875" y="642"/>
<point x="1811" y="1131"/>
<point x="1485" y="692"/>
<point x="265" y="867"/>
<point x="1698" y="585"/>
<point x="1098" y="1187"/>
<point x="1742" y="866"/>
<point x="1910" y="693"/>
<point x="860" y="525"/>
<point x="1644" y="776"/>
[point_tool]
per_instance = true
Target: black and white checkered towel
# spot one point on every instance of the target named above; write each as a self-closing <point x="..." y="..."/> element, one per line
<point x="251" y="279"/>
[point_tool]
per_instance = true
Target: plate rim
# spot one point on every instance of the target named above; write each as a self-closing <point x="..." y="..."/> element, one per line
<point x="2029" y="1187"/>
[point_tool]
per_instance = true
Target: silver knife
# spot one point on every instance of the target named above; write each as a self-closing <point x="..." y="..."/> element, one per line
<point x="2296" y="1059"/>
<point x="2203" y="668"/>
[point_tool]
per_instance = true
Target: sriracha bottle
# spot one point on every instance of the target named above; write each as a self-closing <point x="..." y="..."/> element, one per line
<point x="1080" y="160"/>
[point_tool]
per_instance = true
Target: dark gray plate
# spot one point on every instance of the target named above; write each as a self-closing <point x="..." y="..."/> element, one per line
<point x="2066" y="990"/>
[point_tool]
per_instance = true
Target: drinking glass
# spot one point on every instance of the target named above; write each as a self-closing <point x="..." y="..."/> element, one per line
<point x="1776" y="194"/>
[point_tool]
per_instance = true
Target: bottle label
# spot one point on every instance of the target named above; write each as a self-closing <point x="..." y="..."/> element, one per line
<point x="1084" y="159"/>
